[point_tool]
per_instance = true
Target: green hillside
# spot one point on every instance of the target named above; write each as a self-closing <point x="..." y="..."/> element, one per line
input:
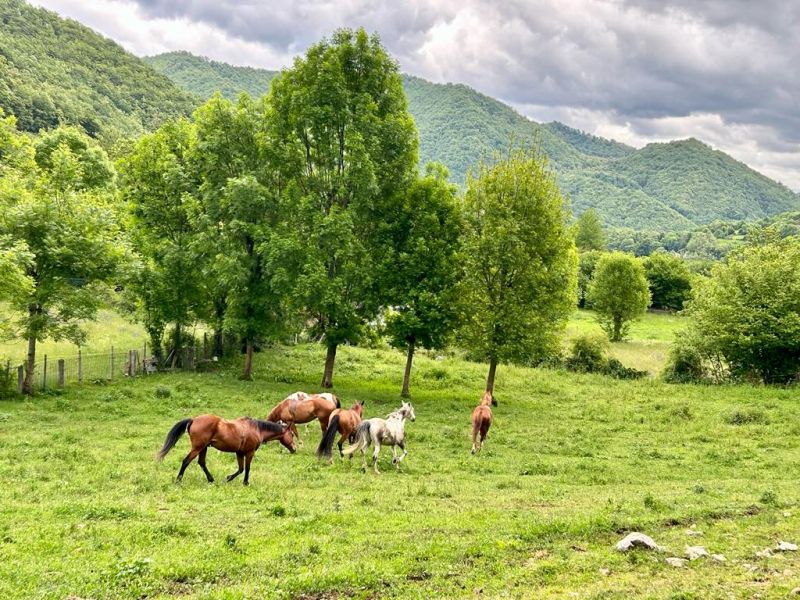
<point x="202" y="76"/>
<point x="670" y="187"/>
<point x="55" y="70"/>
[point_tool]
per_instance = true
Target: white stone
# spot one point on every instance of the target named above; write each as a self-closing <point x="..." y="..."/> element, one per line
<point x="764" y="553"/>
<point x="693" y="532"/>
<point x="637" y="540"/>
<point x="676" y="562"/>
<point x="695" y="552"/>
<point x="787" y="547"/>
<point x="605" y="572"/>
<point x="718" y="557"/>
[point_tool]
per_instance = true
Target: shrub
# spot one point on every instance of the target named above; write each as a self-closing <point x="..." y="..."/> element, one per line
<point x="162" y="392"/>
<point x="588" y="354"/>
<point x="684" y="364"/>
<point x="669" y="279"/>
<point x="619" y="371"/>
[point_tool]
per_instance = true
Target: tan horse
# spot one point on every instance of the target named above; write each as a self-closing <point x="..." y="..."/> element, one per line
<point x="344" y="422"/>
<point x="242" y="436"/>
<point x="482" y="420"/>
<point x="304" y="408"/>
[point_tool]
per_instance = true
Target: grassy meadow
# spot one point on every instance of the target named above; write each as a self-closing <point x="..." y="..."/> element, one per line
<point x="573" y="463"/>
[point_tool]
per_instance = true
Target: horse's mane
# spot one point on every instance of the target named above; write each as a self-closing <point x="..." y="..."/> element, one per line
<point x="267" y="425"/>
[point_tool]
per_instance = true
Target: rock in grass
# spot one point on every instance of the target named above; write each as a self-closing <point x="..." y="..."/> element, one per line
<point x="676" y="562"/>
<point x="637" y="540"/>
<point x="765" y="553"/>
<point x="786" y="547"/>
<point x="695" y="552"/>
<point x="795" y="591"/>
<point x="718" y="557"/>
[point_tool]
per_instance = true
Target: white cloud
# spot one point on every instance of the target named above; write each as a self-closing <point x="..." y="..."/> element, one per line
<point x="723" y="71"/>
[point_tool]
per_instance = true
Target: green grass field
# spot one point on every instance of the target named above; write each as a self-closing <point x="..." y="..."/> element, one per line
<point x="573" y="462"/>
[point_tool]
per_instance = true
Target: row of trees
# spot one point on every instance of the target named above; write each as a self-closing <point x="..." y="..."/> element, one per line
<point x="301" y="211"/>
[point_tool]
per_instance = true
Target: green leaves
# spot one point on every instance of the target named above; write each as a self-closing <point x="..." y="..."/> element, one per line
<point x="748" y="312"/>
<point x="519" y="260"/>
<point x="618" y="293"/>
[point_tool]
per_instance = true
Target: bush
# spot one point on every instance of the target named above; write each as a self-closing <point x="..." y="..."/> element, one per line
<point x="748" y="313"/>
<point x="669" y="279"/>
<point x="588" y="354"/>
<point x="684" y="364"/>
<point x="162" y="392"/>
<point x="619" y="371"/>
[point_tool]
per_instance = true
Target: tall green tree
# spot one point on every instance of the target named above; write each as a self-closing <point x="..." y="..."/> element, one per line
<point x="342" y="126"/>
<point x="519" y="260"/>
<point x="669" y="279"/>
<point x="619" y="293"/>
<point x="241" y="192"/>
<point x="63" y="222"/>
<point x="589" y="233"/>
<point x="423" y="271"/>
<point x="587" y="261"/>
<point x="160" y="185"/>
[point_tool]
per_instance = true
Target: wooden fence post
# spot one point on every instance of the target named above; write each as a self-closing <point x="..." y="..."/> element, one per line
<point x="20" y="378"/>
<point x="44" y="373"/>
<point x="80" y="367"/>
<point x="61" y="378"/>
<point x="112" y="363"/>
<point x="131" y="368"/>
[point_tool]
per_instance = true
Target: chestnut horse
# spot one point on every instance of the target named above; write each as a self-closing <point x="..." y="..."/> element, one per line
<point x="482" y="420"/>
<point x="304" y="408"/>
<point x="242" y="436"/>
<point x="344" y="422"/>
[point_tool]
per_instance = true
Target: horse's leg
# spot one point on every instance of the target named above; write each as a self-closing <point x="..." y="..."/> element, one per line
<point x="296" y="433"/>
<point x="201" y="460"/>
<point x="186" y="462"/>
<point x="240" y="460"/>
<point x="247" y="460"/>
<point x="474" y="439"/>
<point x="403" y="455"/>
<point x="375" y="454"/>
<point x="340" y="444"/>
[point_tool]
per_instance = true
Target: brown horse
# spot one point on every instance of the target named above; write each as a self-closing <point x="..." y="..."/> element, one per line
<point x="482" y="420"/>
<point x="304" y="408"/>
<point x="342" y="421"/>
<point x="242" y="436"/>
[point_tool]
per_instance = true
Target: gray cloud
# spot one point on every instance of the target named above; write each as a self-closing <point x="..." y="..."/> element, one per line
<point x="643" y="69"/>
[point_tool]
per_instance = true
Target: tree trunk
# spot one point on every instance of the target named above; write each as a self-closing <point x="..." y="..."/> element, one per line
<point x="248" y="361"/>
<point x="176" y="350"/>
<point x="30" y="365"/>
<point x="617" y="334"/>
<point x="490" y="376"/>
<point x="330" y="359"/>
<point x="219" y="341"/>
<point x="405" y="393"/>
<point x="218" y="345"/>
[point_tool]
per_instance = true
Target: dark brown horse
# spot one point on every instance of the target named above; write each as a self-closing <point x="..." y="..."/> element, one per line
<point x="342" y="421"/>
<point x="242" y="436"/>
<point x="482" y="420"/>
<point x="304" y="408"/>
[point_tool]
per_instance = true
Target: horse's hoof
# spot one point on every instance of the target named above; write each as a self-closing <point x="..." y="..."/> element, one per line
<point x="245" y="483"/>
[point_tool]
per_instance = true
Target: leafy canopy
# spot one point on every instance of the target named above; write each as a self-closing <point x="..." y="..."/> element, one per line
<point x="618" y="293"/>
<point x="519" y="260"/>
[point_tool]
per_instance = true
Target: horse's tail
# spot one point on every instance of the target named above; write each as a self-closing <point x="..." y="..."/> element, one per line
<point x="326" y="444"/>
<point x="361" y="439"/>
<point x="173" y="436"/>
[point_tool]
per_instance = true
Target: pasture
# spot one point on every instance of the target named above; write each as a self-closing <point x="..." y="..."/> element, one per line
<point x="572" y="463"/>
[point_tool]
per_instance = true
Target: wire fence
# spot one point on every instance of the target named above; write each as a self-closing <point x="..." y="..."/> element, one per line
<point x="58" y="372"/>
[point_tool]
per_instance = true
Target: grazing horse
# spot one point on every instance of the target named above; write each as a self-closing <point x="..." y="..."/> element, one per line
<point x="343" y="422"/>
<point x="482" y="420"/>
<point x="383" y="431"/>
<point x="304" y="408"/>
<point x="242" y="436"/>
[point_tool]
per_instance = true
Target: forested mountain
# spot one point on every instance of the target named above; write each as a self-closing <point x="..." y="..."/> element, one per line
<point x="671" y="187"/>
<point x="55" y="70"/>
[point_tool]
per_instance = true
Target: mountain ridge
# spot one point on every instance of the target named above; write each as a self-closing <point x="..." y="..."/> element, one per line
<point x="55" y="70"/>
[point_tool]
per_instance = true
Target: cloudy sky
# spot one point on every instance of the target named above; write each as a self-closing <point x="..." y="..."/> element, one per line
<point x="724" y="71"/>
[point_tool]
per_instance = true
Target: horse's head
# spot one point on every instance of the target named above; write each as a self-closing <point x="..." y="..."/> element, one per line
<point x="358" y="408"/>
<point x="408" y="411"/>
<point x="286" y="438"/>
